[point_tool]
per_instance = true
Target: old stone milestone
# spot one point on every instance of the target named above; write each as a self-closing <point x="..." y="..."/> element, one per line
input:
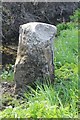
<point x="35" y="53"/>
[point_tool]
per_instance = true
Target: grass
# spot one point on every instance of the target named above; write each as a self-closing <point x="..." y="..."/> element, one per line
<point x="66" y="50"/>
<point x="61" y="99"/>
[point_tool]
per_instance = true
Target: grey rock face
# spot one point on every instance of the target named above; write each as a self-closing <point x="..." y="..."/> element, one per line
<point x="15" y="14"/>
<point x="35" y="53"/>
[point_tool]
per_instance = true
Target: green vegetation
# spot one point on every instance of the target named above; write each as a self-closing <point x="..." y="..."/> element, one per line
<point x="66" y="49"/>
<point x="53" y="101"/>
<point x="47" y="102"/>
<point x="7" y="73"/>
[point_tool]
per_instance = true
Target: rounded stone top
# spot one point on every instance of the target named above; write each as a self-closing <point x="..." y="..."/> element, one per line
<point x="42" y="30"/>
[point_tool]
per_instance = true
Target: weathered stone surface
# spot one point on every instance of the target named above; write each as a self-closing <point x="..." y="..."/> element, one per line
<point x="15" y="14"/>
<point x="35" y="53"/>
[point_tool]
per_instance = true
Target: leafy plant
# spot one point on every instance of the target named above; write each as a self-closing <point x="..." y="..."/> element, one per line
<point x="7" y="73"/>
<point x="76" y="16"/>
<point x="74" y="22"/>
<point x="67" y="72"/>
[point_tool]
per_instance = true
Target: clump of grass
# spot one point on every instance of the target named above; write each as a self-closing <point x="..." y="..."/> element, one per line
<point x="48" y="101"/>
<point x="60" y="100"/>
